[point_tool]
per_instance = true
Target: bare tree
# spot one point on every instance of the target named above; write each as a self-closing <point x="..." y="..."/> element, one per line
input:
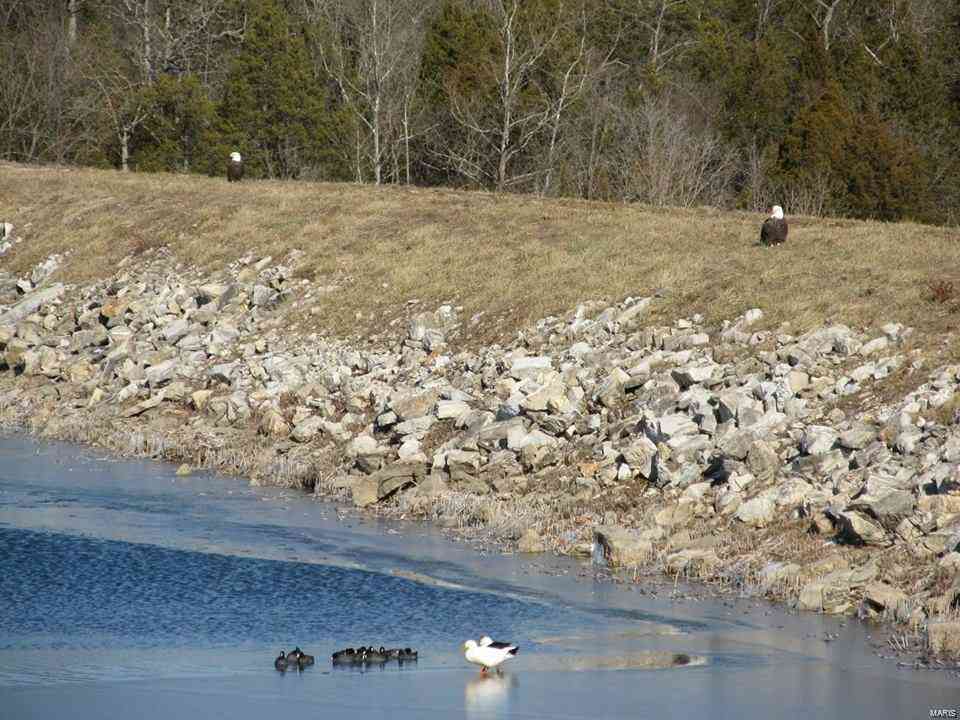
<point x="659" y="18"/>
<point x="172" y="36"/>
<point x="585" y="66"/>
<point x="121" y="99"/>
<point x="823" y="13"/>
<point x="503" y="124"/>
<point x="73" y="15"/>
<point x="766" y="10"/>
<point x="670" y="159"/>
<point x="37" y="116"/>
<point x="369" y="48"/>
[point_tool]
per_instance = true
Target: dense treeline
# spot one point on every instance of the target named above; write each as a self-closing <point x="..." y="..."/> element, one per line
<point x="826" y="106"/>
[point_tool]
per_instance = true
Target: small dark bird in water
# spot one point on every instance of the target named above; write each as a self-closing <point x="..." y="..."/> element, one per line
<point x="281" y="662"/>
<point x="294" y="654"/>
<point x="774" y="230"/>
<point x="347" y="656"/>
<point x="407" y="655"/>
<point x="304" y="659"/>
<point x="375" y="656"/>
<point x="235" y="167"/>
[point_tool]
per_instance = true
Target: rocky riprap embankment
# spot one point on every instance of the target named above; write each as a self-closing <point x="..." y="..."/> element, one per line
<point x="727" y="454"/>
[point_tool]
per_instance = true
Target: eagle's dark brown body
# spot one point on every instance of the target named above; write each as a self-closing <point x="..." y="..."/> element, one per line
<point x="234" y="170"/>
<point x="774" y="231"/>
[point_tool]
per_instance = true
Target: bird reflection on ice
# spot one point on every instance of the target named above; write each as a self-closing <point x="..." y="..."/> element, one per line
<point x="488" y="694"/>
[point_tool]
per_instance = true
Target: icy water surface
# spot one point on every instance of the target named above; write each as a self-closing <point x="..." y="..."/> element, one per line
<point x="128" y="592"/>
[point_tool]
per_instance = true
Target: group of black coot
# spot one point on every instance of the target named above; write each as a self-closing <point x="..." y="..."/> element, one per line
<point x="373" y="656"/>
<point x="296" y="659"/>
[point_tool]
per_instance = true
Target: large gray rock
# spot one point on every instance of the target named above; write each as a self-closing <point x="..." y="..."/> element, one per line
<point x="888" y="509"/>
<point x="621" y="547"/>
<point x="463" y="465"/>
<point x="94" y="337"/>
<point x="223" y="372"/>
<point x="836" y="592"/>
<point x="307" y="429"/>
<point x="264" y="297"/>
<point x="224" y="333"/>
<point x="451" y="409"/>
<point x="763" y="461"/>
<point x="529" y="368"/>
<point x="758" y="511"/>
<point x="641" y="456"/>
<point x="397" y="476"/>
<point x="552" y="397"/>
<point x="365" y="491"/>
<point x="880" y="597"/>
<point x="858" y="529"/>
<point x="818" y="440"/>
<point x="31" y="303"/>
<point x="531" y="542"/>
<point x="176" y="330"/>
<point x="161" y="373"/>
<point x="409" y="405"/>
<point x="693" y="373"/>
<point x="676" y="425"/>
<point x="632" y="313"/>
<point x="857" y="437"/>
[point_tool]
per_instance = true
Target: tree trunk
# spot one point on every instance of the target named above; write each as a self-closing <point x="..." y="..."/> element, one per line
<point x="147" y="46"/>
<point x="359" y="167"/>
<point x="377" y="158"/>
<point x="125" y="150"/>
<point x="73" y="10"/>
<point x="406" y="135"/>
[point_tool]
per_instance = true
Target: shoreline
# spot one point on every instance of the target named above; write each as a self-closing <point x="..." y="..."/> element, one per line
<point x="755" y="462"/>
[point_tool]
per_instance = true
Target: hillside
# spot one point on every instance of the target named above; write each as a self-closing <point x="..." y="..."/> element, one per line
<point x="647" y="386"/>
<point x="514" y="258"/>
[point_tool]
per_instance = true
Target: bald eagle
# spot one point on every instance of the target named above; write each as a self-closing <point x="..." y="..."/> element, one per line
<point x="774" y="230"/>
<point x="235" y="167"/>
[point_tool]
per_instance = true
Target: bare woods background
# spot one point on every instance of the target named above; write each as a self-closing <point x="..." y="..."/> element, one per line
<point x="845" y="107"/>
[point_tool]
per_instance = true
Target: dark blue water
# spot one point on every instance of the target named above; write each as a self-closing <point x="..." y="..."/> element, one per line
<point x="63" y="591"/>
<point x="127" y="591"/>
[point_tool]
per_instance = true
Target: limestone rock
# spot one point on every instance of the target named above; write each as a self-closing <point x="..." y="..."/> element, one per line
<point x="621" y="547"/>
<point x="31" y="303"/>
<point x="758" y="511"/>
<point x="531" y="542"/>
<point x="397" y="476"/>
<point x="691" y="561"/>
<point x="818" y="440"/>
<point x="880" y="596"/>
<point x="273" y="424"/>
<point x="415" y="404"/>
<point x="858" y="529"/>
<point x="306" y="430"/>
<point x="857" y="437"/>
<point x="365" y="491"/>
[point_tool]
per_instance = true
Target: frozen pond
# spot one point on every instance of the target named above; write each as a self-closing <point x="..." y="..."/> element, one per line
<point x="128" y="592"/>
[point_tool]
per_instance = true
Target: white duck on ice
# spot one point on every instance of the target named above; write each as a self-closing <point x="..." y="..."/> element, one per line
<point x="488" y="653"/>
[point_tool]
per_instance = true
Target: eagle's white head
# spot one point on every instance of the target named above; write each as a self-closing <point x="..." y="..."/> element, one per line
<point x="235" y="156"/>
<point x="777" y="213"/>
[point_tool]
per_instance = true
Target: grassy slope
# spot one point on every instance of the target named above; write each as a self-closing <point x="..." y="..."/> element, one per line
<point x="518" y="258"/>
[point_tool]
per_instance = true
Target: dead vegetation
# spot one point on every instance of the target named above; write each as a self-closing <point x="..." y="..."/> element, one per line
<point x="514" y="258"/>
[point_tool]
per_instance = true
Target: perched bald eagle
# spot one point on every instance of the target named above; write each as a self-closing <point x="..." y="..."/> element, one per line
<point x="235" y="167"/>
<point x="774" y="230"/>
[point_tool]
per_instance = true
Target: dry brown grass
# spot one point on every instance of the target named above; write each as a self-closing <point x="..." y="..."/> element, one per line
<point x="518" y="258"/>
